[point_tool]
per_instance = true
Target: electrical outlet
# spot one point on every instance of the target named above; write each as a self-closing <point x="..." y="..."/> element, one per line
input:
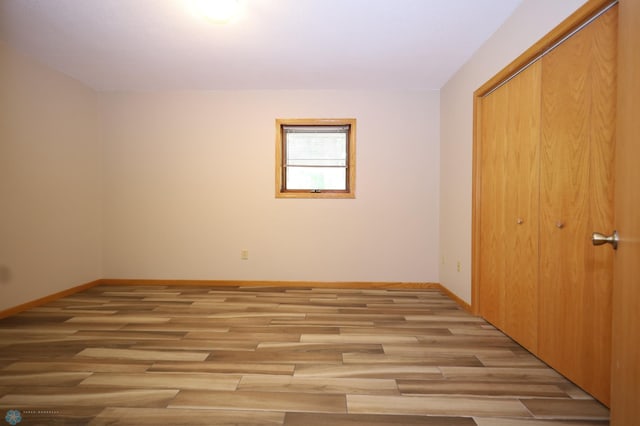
<point x="459" y="266"/>
<point x="244" y="254"/>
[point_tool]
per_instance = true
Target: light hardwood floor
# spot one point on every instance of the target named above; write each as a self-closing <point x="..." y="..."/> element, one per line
<point x="152" y="355"/>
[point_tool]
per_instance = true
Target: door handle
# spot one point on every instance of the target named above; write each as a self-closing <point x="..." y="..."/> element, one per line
<point x="599" y="239"/>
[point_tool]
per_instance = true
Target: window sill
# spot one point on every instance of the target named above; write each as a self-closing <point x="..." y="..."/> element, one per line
<point x="326" y="194"/>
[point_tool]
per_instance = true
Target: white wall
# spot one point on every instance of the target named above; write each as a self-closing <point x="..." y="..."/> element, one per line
<point x="530" y="22"/>
<point x="190" y="182"/>
<point x="50" y="182"/>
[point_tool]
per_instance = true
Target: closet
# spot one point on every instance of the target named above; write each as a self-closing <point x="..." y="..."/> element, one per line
<point x="544" y="182"/>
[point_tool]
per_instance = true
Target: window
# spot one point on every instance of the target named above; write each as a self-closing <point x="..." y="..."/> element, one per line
<point x="315" y="158"/>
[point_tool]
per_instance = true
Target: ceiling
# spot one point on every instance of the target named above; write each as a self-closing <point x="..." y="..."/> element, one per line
<point x="144" y="45"/>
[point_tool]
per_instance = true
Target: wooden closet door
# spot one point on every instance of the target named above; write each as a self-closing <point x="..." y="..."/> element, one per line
<point x="577" y="154"/>
<point x="625" y="388"/>
<point x="509" y="213"/>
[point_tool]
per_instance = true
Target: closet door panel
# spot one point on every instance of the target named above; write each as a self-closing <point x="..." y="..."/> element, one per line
<point x="493" y="254"/>
<point x="578" y="122"/>
<point x="522" y="207"/>
<point x="509" y="214"/>
<point x="599" y="297"/>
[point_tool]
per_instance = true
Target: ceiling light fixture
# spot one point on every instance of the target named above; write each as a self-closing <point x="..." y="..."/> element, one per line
<point x="217" y="11"/>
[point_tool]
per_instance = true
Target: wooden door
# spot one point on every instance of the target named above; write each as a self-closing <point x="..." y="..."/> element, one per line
<point x="577" y="156"/>
<point x="509" y="214"/>
<point x="625" y="393"/>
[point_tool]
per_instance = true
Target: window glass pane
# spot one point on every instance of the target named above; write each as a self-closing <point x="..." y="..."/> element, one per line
<point x="316" y="178"/>
<point x="316" y="149"/>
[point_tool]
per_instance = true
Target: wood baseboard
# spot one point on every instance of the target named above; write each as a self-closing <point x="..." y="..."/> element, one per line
<point x="464" y="305"/>
<point x="237" y="283"/>
<point x="50" y="298"/>
<point x="293" y="284"/>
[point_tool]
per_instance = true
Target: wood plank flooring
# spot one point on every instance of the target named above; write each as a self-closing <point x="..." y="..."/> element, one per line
<point x="134" y="355"/>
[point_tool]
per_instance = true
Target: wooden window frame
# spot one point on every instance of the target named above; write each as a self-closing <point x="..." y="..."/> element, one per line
<point x="282" y="192"/>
